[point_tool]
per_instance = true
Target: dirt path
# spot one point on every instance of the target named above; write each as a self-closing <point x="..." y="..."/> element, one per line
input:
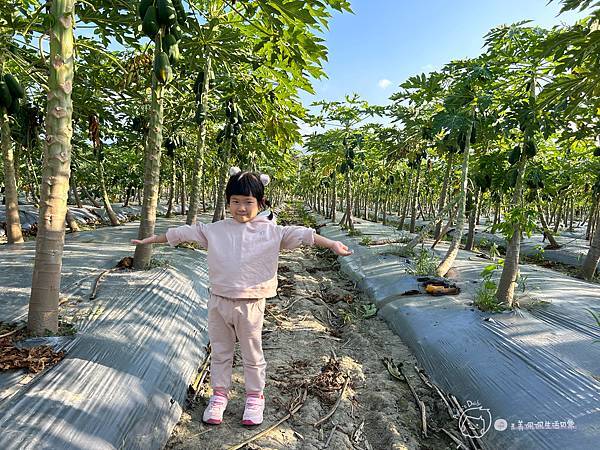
<point x="315" y="334"/>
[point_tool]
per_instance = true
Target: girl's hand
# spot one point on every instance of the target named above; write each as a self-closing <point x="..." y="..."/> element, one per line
<point x="340" y="249"/>
<point x="148" y="240"/>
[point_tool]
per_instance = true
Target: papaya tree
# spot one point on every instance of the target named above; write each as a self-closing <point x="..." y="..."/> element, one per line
<point x="345" y="116"/>
<point x="43" y="305"/>
<point x="158" y="22"/>
<point x="11" y="93"/>
<point x="513" y="48"/>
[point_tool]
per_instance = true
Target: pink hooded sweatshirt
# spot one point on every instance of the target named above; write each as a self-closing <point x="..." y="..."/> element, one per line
<point x="242" y="257"/>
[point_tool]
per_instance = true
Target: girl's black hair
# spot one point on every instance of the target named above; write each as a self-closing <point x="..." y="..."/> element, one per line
<point x="248" y="184"/>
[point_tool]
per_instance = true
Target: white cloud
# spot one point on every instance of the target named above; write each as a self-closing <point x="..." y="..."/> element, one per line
<point x="384" y="83"/>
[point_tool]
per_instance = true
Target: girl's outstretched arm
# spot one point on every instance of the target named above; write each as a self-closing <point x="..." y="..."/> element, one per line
<point x="336" y="247"/>
<point x="154" y="239"/>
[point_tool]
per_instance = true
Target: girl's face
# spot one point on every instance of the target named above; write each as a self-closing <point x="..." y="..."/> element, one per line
<point x="243" y="208"/>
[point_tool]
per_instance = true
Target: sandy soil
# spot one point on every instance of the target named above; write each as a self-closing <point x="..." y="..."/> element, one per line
<point x="315" y="335"/>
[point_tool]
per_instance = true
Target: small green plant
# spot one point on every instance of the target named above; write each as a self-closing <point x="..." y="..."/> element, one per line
<point x="494" y="251"/>
<point x="485" y="298"/>
<point x="158" y="262"/>
<point x="426" y="263"/>
<point x="358" y="312"/>
<point x="355" y="232"/>
<point x="366" y="240"/>
<point x="538" y="256"/>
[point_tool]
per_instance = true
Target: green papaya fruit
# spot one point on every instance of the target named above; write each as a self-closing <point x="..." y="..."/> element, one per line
<point x="5" y="97"/>
<point x="14" y="107"/>
<point x="469" y="204"/>
<point x="150" y="24"/>
<point x="529" y="149"/>
<point x="487" y="183"/>
<point x="199" y="117"/>
<point x="174" y="55"/>
<point x="199" y="82"/>
<point x="228" y="131"/>
<point x="165" y="13"/>
<point x="220" y="136"/>
<point x="167" y="42"/>
<point x="597" y="151"/>
<point x="473" y="136"/>
<point x="511" y="178"/>
<point x="16" y="90"/>
<point x="461" y="140"/>
<point x="143" y="6"/>
<point x="514" y="156"/>
<point x="175" y="30"/>
<point x="162" y="68"/>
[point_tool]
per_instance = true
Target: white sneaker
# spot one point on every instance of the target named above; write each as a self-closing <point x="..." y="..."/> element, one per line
<point x="213" y="414"/>
<point x="253" y="412"/>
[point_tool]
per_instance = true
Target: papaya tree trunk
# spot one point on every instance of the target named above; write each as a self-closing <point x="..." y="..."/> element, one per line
<point x="182" y="183"/>
<point x="114" y="221"/>
<point x="198" y="161"/>
<point x="172" y="187"/>
<point x="593" y="256"/>
<point x="588" y="230"/>
<point x="413" y="203"/>
<point x="510" y="272"/>
<point x="547" y="232"/>
<point x="219" y="213"/>
<point x="71" y="221"/>
<point x="333" y="199"/>
<point x="143" y="253"/>
<point x="472" y="216"/>
<point x="450" y="256"/>
<point x="45" y="288"/>
<point x="13" y="222"/>
<point x="405" y="200"/>
<point x="385" y="201"/>
<point x="349" y="202"/>
<point x="73" y="182"/>
<point x="406" y="249"/>
<point x="367" y="194"/>
<point x="558" y="216"/>
<point x="449" y="163"/>
<point x="377" y="203"/>
<point x="90" y="197"/>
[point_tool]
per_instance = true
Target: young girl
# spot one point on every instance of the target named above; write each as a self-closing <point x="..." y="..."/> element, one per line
<point x="242" y="268"/>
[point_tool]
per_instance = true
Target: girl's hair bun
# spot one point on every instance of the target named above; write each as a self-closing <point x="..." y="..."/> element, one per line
<point x="265" y="179"/>
<point x="234" y="171"/>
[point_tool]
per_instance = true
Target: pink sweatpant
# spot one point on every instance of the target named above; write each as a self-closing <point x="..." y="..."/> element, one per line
<point x="229" y="318"/>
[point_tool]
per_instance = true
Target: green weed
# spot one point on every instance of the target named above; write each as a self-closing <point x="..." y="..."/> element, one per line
<point x="366" y="240"/>
<point x="426" y="263"/>
<point x="485" y="298"/>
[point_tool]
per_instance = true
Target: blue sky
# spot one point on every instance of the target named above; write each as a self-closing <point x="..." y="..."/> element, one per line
<point x="394" y="39"/>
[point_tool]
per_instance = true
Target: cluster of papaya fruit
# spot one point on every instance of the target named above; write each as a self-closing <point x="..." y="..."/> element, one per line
<point x="172" y="143"/>
<point x="528" y="149"/>
<point x="10" y="93"/>
<point x="349" y="153"/>
<point x="170" y="16"/>
<point x="198" y="86"/>
<point x="233" y="127"/>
